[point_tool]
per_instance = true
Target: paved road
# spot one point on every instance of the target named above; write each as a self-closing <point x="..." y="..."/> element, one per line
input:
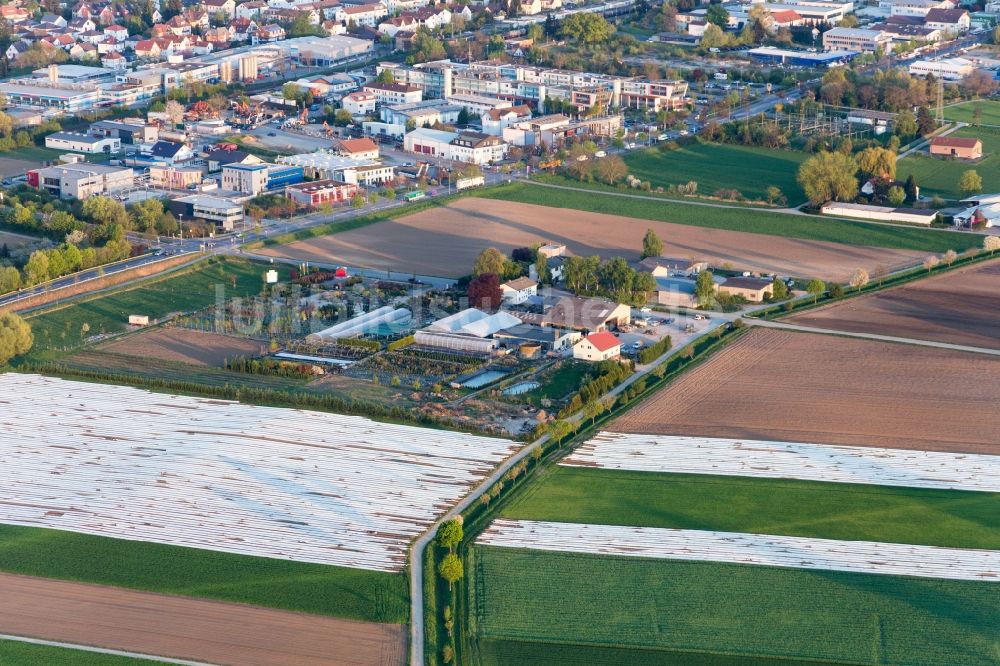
<point x="872" y="336"/>
<point x="190" y="629"/>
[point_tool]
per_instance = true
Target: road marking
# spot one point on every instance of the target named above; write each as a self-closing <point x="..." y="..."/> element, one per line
<point x="91" y="648"/>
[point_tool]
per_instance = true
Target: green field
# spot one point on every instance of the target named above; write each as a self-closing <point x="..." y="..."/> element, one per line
<point x="732" y="609"/>
<point x="963" y="112"/>
<point x="763" y="506"/>
<point x="940" y="176"/>
<point x="713" y="166"/>
<point x="62" y="327"/>
<point x="740" y="219"/>
<point x="311" y="588"/>
<point x="22" y="654"/>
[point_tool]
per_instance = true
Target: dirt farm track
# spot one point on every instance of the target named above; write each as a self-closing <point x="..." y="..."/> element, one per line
<point x="444" y="242"/>
<point x="961" y="307"/>
<point x="823" y="389"/>
<point x="209" y="631"/>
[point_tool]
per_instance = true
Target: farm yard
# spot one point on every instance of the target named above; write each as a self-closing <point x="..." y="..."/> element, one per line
<point x="801" y="387"/>
<point x="940" y="176"/>
<point x="717" y="166"/>
<point x="206" y="631"/>
<point x="184" y="346"/>
<point x="445" y="241"/>
<point x="961" y="307"/>
<point x="304" y="486"/>
<point x="575" y="600"/>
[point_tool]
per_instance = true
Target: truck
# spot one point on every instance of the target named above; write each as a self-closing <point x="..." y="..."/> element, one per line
<point x="469" y="181"/>
<point x="414" y="195"/>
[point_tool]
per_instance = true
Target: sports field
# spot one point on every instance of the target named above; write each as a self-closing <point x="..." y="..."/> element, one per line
<point x="953" y="518"/>
<point x="732" y="609"/>
<point x="63" y="326"/>
<point x="965" y="112"/>
<point x="940" y="176"/>
<point x="714" y="166"/>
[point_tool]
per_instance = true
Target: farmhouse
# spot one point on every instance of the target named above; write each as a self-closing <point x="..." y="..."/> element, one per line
<point x="958" y="147"/>
<point x="754" y="290"/>
<point x="518" y="291"/>
<point x="590" y="315"/>
<point x="601" y="346"/>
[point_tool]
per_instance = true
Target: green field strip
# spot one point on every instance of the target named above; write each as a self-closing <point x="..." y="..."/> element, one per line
<point x="358" y="594"/>
<point x="733" y="609"/>
<point x="954" y="518"/>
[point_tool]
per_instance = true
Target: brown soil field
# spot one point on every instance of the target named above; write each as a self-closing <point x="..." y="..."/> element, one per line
<point x="15" y="167"/>
<point x="184" y="345"/>
<point x="961" y="307"/>
<point x="824" y="389"/>
<point x="182" y="628"/>
<point x="444" y="242"/>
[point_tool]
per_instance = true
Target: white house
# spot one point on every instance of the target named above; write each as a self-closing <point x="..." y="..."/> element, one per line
<point x="495" y="121"/>
<point x="369" y="14"/>
<point x="359" y="103"/>
<point x="518" y="291"/>
<point x="601" y="346"/>
<point x="469" y="147"/>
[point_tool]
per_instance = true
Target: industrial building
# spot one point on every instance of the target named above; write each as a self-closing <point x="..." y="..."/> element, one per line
<point x="949" y="69"/>
<point x="131" y="131"/>
<point x="856" y="39"/>
<point x="225" y="213"/>
<point x="469" y="330"/>
<point x="770" y="54"/>
<point x="323" y="165"/>
<point x="319" y="192"/>
<point x="965" y="148"/>
<point x="881" y="213"/>
<point x="82" y="143"/>
<point x="258" y="178"/>
<point x="81" y="180"/>
<point x="470" y="147"/>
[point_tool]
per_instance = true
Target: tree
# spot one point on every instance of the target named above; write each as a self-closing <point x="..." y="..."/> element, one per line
<point x="779" y="290"/>
<point x="829" y="176"/>
<point x="877" y="162"/>
<point x="450" y="534"/>
<point x="714" y="37"/>
<point x="587" y="28"/>
<point x="925" y="121"/>
<point x="10" y="279"/>
<point x="774" y="195"/>
<point x="905" y="125"/>
<point x="484" y="292"/>
<point x="970" y="182"/>
<point x="911" y="189"/>
<point x="949" y="257"/>
<point x="592" y="410"/>
<point x="931" y="262"/>
<point x="542" y="268"/>
<point x="451" y="569"/>
<point x="978" y="83"/>
<point x="717" y="15"/>
<point x="991" y="244"/>
<point x="15" y="337"/>
<point x="174" y="111"/>
<point x="611" y="169"/>
<point x="357" y="201"/>
<point x="105" y="210"/>
<point x="704" y="288"/>
<point x="652" y="246"/>
<point x="859" y="279"/>
<point x="896" y="195"/>
<point x="815" y="287"/>
<point x="490" y="260"/>
<point x="36" y="270"/>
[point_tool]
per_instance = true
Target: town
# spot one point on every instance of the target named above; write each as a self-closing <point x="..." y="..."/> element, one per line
<point x="499" y="332"/>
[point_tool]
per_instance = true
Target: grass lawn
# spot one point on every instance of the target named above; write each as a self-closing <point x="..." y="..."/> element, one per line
<point x="764" y="506"/>
<point x="713" y="166"/>
<point x="61" y="327"/>
<point x="558" y="383"/>
<point x="732" y="609"/>
<point x="16" y="652"/>
<point x="940" y="176"/>
<point x="741" y="219"/>
<point x="964" y="112"/>
<point x="311" y="588"/>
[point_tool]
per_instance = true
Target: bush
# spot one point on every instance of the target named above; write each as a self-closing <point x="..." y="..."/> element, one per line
<point x="401" y="343"/>
<point x="655" y="350"/>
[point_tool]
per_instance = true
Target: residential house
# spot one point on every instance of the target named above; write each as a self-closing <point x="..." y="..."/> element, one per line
<point x="518" y="291"/>
<point x="84" y="52"/>
<point x="79" y="25"/>
<point x="394" y="93"/>
<point x="170" y="153"/>
<point x="227" y="8"/>
<point x="395" y="24"/>
<point x="55" y="20"/>
<point x="115" y="61"/>
<point x="602" y="346"/>
<point x="272" y="32"/>
<point x="217" y="159"/>
<point x="949" y="21"/>
<point x="495" y="121"/>
<point x="370" y="14"/>
<point x="178" y="25"/>
<point x="119" y="33"/>
<point x="359" y="149"/>
<point x="359" y="103"/>
<point x="250" y="10"/>
<point x="197" y="18"/>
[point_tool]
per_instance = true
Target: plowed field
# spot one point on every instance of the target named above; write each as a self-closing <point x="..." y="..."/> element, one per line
<point x="825" y="389"/>
<point x="186" y="346"/>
